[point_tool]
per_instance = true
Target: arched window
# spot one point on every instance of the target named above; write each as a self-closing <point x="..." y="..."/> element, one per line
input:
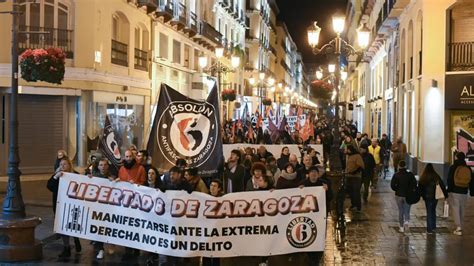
<point x="120" y="39"/>
<point x="49" y="16"/>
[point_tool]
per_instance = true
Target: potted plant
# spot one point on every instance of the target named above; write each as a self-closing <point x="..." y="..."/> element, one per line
<point x="228" y="95"/>
<point x="322" y="89"/>
<point x="43" y="65"/>
<point x="267" y="101"/>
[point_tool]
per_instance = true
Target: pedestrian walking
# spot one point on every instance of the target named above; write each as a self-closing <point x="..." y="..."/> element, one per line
<point x="368" y="173"/>
<point x="459" y="182"/>
<point x="402" y="183"/>
<point x="430" y="186"/>
<point x="399" y="150"/>
<point x="376" y="151"/>
<point x="354" y="168"/>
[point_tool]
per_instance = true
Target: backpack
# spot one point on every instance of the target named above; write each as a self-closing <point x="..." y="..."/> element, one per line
<point x="462" y="176"/>
<point x="413" y="193"/>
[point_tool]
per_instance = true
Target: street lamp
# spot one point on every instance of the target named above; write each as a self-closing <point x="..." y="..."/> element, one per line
<point x="218" y="68"/>
<point x="338" y="47"/>
<point x="16" y="229"/>
<point x="261" y="84"/>
<point x="319" y="74"/>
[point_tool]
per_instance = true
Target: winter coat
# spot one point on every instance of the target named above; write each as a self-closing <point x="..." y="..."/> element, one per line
<point x="283" y="161"/>
<point x="354" y="165"/>
<point x="451" y="186"/>
<point x="287" y="180"/>
<point x="402" y="181"/>
<point x="428" y="190"/>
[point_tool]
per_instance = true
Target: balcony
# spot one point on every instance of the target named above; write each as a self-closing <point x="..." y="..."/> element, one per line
<point x="141" y="59"/>
<point x="191" y="26"/>
<point x="57" y="38"/>
<point x="208" y="35"/>
<point x="179" y="16"/>
<point x="461" y="56"/>
<point x="119" y="55"/>
<point x="165" y="10"/>
<point x="151" y="5"/>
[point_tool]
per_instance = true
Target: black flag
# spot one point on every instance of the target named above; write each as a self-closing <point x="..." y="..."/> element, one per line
<point x="109" y="146"/>
<point x="188" y="129"/>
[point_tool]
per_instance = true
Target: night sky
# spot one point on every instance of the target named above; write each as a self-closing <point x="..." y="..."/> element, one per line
<point x="299" y="14"/>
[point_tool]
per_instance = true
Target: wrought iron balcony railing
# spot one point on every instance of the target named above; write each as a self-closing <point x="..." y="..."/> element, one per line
<point x="57" y="38"/>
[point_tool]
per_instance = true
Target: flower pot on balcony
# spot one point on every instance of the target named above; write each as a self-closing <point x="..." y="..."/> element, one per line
<point x="267" y="102"/>
<point x="43" y="65"/>
<point x="228" y="95"/>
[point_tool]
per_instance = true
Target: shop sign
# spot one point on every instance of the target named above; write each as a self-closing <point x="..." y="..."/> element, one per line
<point x="459" y="92"/>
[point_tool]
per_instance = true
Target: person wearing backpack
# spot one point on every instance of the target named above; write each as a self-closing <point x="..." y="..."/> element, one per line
<point x="402" y="183"/>
<point x="459" y="181"/>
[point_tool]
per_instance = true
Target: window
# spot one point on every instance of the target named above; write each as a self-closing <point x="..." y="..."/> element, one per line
<point x="196" y="60"/>
<point x="176" y="52"/>
<point x="187" y="55"/>
<point x="163" y="46"/>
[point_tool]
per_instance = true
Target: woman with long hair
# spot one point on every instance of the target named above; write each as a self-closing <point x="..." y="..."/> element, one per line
<point x="65" y="166"/>
<point x="429" y="180"/>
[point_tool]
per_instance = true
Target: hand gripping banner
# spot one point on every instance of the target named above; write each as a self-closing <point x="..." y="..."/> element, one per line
<point x="179" y="224"/>
<point x="186" y="128"/>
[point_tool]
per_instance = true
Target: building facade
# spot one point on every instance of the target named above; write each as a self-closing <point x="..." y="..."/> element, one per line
<point x="412" y="88"/>
<point x="107" y="73"/>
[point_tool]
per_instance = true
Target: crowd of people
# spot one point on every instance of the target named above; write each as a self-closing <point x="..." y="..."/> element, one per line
<point x="364" y="162"/>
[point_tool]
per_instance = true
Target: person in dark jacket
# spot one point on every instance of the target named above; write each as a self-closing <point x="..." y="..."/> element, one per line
<point x="65" y="166"/>
<point x="368" y="172"/>
<point x="102" y="171"/>
<point x="314" y="180"/>
<point x="288" y="178"/>
<point x="429" y="179"/>
<point x="234" y="173"/>
<point x="153" y="179"/>
<point x="258" y="172"/>
<point x="262" y="154"/>
<point x="401" y="183"/>
<point x="458" y="195"/>
<point x="284" y="158"/>
<point x="177" y="181"/>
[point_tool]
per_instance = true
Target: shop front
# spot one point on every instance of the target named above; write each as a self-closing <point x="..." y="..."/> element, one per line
<point x="459" y="103"/>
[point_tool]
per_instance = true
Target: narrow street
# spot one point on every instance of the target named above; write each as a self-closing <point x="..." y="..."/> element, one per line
<point x="371" y="237"/>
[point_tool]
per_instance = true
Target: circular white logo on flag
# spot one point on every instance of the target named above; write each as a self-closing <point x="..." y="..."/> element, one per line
<point x="301" y="232"/>
<point x="187" y="130"/>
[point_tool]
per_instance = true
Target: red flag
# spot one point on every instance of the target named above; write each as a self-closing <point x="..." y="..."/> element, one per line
<point x="259" y="121"/>
<point x="305" y="131"/>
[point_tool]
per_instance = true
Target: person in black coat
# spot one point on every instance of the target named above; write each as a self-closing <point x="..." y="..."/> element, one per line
<point x="428" y="182"/>
<point x="284" y="158"/>
<point x="368" y="172"/>
<point x="401" y="183"/>
<point x="234" y="173"/>
<point x="53" y="185"/>
<point x="316" y="179"/>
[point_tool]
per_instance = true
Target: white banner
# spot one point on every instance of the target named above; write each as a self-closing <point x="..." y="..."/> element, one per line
<point x="176" y="223"/>
<point x="273" y="148"/>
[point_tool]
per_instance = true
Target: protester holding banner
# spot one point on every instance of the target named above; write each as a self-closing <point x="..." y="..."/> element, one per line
<point x="262" y="154"/>
<point x="153" y="179"/>
<point x="131" y="171"/>
<point x="177" y="181"/>
<point x="303" y="171"/>
<point x="288" y="178"/>
<point x="215" y="190"/>
<point x="258" y="172"/>
<point x="103" y="172"/>
<point x="65" y="165"/>
<point x="293" y="159"/>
